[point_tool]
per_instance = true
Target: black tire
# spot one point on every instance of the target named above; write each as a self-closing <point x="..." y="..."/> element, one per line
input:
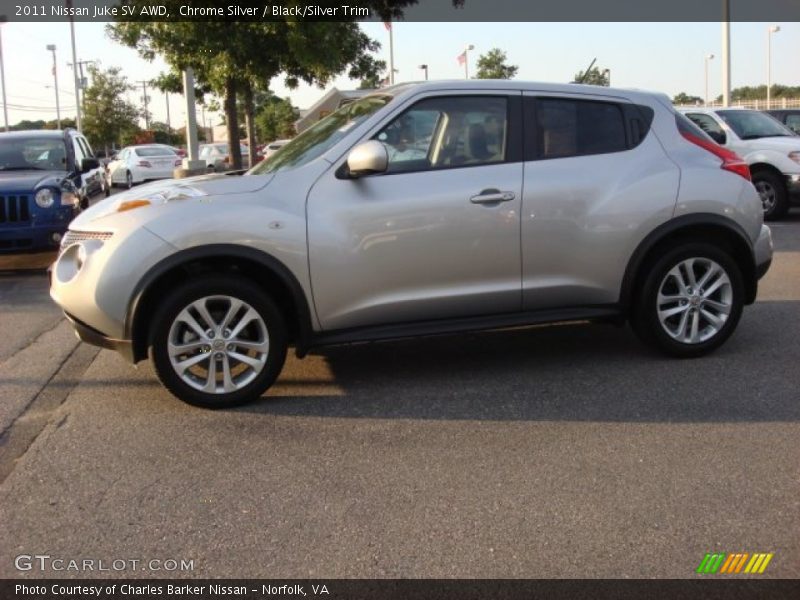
<point x="772" y="191"/>
<point x="84" y="203"/>
<point x="128" y="180"/>
<point x="644" y="314"/>
<point x="237" y="288"/>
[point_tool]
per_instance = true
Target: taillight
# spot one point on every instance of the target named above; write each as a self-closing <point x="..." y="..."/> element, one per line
<point x="145" y="163"/>
<point x="730" y="160"/>
<point x="178" y="162"/>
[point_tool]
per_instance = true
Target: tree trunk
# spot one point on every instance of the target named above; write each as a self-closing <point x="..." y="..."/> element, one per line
<point x="232" y="122"/>
<point x="249" y="118"/>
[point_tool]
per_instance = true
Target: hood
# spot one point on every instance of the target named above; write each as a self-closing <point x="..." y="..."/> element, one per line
<point x="781" y="144"/>
<point x="174" y="190"/>
<point x="29" y="180"/>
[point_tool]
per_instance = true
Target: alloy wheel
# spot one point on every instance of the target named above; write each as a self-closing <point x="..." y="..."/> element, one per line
<point x="694" y="300"/>
<point x="218" y="344"/>
<point x="767" y="194"/>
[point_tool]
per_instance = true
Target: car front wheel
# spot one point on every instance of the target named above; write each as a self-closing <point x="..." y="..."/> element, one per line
<point x="773" y="194"/>
<point x="218" y="342"/>
<point x="690" y="301"/>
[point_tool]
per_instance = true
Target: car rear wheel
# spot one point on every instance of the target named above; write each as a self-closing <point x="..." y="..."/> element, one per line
<point x="773" y="194"/>
<point x="218" y="342"/>
<point x="690" y="301"/>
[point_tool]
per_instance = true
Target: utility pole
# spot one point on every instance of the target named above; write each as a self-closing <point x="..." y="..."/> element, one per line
<point x="726" y="52"/>
<point x="144" y="99"/>
<point x="82" y="82"/>
<point x="78" y="122"/>
<point x="169" y="125"/>
<point x="52" y="48"/>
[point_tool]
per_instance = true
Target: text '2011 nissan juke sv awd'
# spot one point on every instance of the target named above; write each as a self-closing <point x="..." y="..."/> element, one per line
<point x="423" y="209"/>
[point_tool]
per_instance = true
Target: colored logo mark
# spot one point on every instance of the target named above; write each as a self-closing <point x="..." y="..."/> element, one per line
<point x="732" y="563"/>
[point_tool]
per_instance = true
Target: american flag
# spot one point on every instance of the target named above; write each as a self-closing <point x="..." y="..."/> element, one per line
<point x="462" y="58"/>
<point x="388" y="25"/>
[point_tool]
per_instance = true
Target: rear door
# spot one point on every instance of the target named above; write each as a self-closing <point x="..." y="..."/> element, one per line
<point x="596" y="181"/>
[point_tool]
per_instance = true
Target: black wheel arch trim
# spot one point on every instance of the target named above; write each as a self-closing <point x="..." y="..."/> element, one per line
<point x="305" y="329"/>
<point x="670" y="227"/>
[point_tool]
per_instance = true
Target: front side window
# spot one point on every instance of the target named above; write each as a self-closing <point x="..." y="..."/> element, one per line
<point x="80" y="154"/>
<point x="567" y="127"/>
<point x="707" y="124"/>
<point x="793" y="123"/>
<point x="447" y="132"/>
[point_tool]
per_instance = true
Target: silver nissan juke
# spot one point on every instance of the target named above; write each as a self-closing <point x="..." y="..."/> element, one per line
<point x="423" y="209"/>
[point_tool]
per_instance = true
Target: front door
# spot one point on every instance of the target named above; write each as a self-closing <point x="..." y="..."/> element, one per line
<point x="435" y="236"/>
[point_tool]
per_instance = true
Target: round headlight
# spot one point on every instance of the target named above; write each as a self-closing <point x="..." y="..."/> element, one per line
<point x="45" y="198"/>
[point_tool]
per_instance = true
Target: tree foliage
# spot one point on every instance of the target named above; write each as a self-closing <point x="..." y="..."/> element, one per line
<point x="108" y="118"/>
<point x="759" y="92"/>
<point x="595" y="76"/>
<point x="275" y="119"/>
<point x="236" y="58"/>
<point x="492" y="65"/>
<point x="684" y="98"/>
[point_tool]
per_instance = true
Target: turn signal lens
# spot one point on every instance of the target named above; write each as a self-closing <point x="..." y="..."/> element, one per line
<point x="131" y="204"/>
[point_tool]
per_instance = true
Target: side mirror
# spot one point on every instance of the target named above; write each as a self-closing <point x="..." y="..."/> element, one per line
<point x="718" y="136"/>
<point x="368" y="158"/>
<point x="87" y="164"/>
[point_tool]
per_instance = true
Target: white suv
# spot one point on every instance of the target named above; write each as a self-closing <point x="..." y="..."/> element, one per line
<point x="770" y="149"/>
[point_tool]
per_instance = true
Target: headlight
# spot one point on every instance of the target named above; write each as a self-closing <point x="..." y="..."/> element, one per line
<point x="795" y="156"/>
<point x="45" y="198"/>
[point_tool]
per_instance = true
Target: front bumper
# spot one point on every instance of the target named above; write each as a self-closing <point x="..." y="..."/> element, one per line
<point x="16" y="240"/>
<point x="762" y="251"/>
<point x="97" y="338"/>
<point x="793" y="187"/>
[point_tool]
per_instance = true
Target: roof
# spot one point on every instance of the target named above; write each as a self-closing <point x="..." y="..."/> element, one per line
<point x="48" y="133"/>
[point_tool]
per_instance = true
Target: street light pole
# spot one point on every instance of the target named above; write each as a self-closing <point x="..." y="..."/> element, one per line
<point x="466" y="60"/>
<point x="3" y="79"/>
<point x="52" y="48"/>
<point x="425" y="68"/>
<point x="770" y="31"/>
<point x="708" y="57"/>
<point x="78" y="120"/>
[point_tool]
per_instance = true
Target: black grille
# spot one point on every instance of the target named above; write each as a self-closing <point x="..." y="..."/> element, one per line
<point x="14" y="209"/>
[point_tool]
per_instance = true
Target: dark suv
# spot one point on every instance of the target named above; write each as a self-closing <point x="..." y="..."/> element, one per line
<point x="788" y="116"/>
<point x="45" y="178"/>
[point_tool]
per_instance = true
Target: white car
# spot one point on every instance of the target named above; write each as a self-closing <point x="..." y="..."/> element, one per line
<point x="217" y="159"/>
<point x="136" y="164"/>
<point x="273" y="147"/>
<point x="770" y="149"/>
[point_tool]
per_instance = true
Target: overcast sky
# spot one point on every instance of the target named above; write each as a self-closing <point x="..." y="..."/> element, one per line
<point x="667" y="57"/>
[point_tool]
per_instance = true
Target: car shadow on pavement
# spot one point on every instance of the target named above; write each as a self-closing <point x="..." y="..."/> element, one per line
<point x="575" y="372"/>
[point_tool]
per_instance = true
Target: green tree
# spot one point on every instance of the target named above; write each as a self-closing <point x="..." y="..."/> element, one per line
<point x="492" y="65"/>
<point x="372" y="82"/>
<point x="108" y="117"/>
<point x="239" y="58"/>
<point x="276" y="118"/>
<point x="595" y="76"/>
<point x="684" y="98"/>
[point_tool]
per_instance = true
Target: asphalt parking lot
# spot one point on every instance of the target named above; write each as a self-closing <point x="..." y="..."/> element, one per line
<point x="562" y="451"/>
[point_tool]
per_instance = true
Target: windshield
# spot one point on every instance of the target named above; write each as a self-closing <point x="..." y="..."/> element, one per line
<point x="317" y="139"/>
<point x="751" y="124"/>
<point x="46" y="154"/>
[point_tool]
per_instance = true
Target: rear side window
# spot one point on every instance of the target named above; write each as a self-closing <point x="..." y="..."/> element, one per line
<point x="687" y="126"/>
<point x="563" y="127"/>
<point x="706" y="123"/>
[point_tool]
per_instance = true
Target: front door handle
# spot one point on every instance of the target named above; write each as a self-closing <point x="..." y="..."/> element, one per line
<point x="492" y="196"/>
